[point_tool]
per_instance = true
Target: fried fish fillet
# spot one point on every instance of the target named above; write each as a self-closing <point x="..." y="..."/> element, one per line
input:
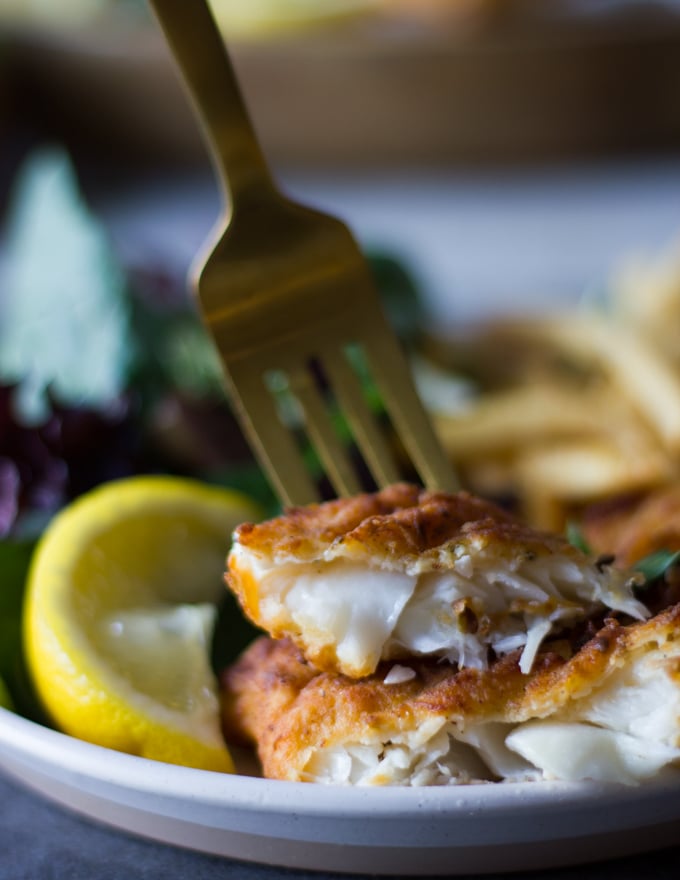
<point x="606" y="710"/>
<point x="406" y="572"/>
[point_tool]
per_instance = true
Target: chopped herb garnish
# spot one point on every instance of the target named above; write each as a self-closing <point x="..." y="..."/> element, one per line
<point x="576" y="538"/>
<point x="657" y="564"/>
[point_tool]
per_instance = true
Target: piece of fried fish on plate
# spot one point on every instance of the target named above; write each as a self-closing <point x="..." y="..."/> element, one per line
<point x="607" y="710"/>
<point x="406" y="572"/>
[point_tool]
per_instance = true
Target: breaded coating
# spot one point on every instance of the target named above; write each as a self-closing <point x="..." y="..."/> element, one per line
<point x="406" y="572"/>
<point x="606" y="709"/>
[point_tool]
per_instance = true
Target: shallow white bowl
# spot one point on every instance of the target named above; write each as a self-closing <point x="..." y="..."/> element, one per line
<point x="423" y="831"/>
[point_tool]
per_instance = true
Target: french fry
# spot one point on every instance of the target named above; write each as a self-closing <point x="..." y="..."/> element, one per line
<point x="589" y="469"/>
<point x="640" y="372"/>
<point x="583" y="406"/>
<point x="531" y="414"/>
<point x="645" y="293"/>
<point x="555" y="478"/>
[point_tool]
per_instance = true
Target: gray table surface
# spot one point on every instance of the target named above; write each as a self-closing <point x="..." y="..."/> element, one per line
<point x="40" y="840"/>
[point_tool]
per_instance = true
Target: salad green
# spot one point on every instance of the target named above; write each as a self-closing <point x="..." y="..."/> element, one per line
<point x="15" y="689"/>
<point x="5" y="699"/>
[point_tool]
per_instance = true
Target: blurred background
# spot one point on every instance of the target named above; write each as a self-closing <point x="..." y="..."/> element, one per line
<point x="469" y="132"/>
<point x="492" y="156"/>
<point x="364" y="83"/>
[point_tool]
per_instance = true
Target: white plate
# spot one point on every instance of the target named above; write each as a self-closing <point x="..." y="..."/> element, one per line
<point x="457" y="830"/>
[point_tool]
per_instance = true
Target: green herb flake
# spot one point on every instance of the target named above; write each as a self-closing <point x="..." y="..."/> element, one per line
<point x="576" y="538"/>
<point x="657" y="564"/>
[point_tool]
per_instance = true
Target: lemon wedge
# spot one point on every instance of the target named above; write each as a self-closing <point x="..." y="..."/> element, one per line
<point x="119" y="612"/>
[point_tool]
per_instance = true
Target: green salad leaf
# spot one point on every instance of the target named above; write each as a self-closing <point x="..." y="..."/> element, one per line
<point x="64" y="332"/>
<point x="399" y="293"/>
<point x="233" y="633"/>
<point x="15" y="559"/>
<point x="5" y="699"/>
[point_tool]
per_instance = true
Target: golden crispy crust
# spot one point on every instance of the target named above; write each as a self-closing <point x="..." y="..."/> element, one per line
<point x="395" y="525"/>
<point x="273" y="697"/>
<point x="405" y="530"/>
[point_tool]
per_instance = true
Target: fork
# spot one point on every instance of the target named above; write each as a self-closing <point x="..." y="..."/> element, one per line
<point x="284" y="289"/>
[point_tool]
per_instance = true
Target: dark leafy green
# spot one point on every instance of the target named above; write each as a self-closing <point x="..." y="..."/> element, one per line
<point x="399" y="294"/>
<point x="15" y="559"/>
<point x="233" y="632"/>
<point x="5" y="699"/>
<point x="249" y="479"/>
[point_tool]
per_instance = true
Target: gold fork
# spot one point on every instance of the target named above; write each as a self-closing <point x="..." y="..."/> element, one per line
<point x="283" y="288"/>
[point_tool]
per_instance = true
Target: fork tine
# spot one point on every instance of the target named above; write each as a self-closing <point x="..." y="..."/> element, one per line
<point x="321" y="431"/>
<point x="279" y="279"/>
<point x="272" y="441"/>
<point x="368" y="436"/>
<point x="392" y="375"/>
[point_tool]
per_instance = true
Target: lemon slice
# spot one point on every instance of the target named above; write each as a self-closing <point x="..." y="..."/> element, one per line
<point x="119" y="613"/>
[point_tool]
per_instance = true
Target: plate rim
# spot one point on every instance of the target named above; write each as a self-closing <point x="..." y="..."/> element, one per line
<point x="22" y="736"/>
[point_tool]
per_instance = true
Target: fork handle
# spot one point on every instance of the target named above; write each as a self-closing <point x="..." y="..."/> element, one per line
<point x="200" y="52"/>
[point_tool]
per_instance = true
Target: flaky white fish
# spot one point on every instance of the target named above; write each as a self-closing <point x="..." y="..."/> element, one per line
<point x="407" y="573"/>
<point x="605" y="710"/>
